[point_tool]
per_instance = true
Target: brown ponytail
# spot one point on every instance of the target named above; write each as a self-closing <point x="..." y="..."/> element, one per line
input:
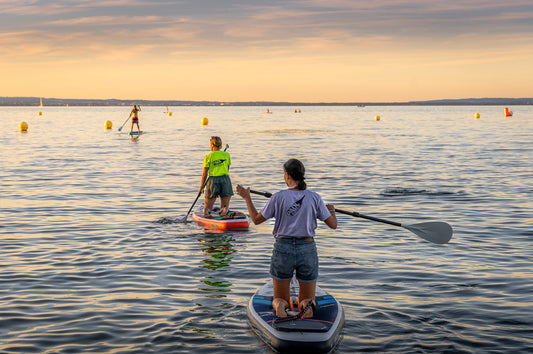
<point x="295" y="168"/>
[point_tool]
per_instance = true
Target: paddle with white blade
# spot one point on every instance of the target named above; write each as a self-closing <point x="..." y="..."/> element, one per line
<point x="438" y="232"/>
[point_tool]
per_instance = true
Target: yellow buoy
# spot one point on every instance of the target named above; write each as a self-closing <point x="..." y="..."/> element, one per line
<point x="169" y="114"/>
<point x="376" y="118"/>
<point x="23" y="126"/>
<point x="205" y="121"/>
<point x="40" y="113"/>
<point x="108" y="124"/>
<point x="477" y="115"/>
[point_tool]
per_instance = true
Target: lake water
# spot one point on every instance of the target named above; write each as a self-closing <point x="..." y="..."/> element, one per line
<point x="87" y="266"/>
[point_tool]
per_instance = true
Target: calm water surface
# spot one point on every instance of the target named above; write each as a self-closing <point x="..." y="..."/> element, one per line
<point x="88" y="266"/>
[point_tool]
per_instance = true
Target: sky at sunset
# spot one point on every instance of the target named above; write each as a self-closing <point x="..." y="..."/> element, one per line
<point x="252" y="50"/>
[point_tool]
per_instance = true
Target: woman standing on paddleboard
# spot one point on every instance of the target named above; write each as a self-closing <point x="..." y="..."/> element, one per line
<point x="216" y="166"/>
<point x="134" y="114"/>
<point x="295" y="210"/>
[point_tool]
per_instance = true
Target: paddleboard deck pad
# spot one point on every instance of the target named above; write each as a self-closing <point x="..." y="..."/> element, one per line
<point x="319" y="334"/>
<point x="136" y="133"/>
<point x="235" y="220"/>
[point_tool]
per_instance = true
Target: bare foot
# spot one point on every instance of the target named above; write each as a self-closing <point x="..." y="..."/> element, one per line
<point x="280" y="306"/>
<point x="224" y="211"/>
<point x="309" y="312"/>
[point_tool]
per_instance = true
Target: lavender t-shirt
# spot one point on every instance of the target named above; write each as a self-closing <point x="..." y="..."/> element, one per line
<point x="295" y="212"/>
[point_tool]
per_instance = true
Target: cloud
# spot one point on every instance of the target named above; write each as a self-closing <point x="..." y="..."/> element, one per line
<point x="47" y="7"/>
<point x="241" y="24"/>
<point x="346" y="39"/>
<point x="111" y="21"/>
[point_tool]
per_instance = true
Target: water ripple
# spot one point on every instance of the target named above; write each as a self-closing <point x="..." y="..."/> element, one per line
<point x="96" y="258"/>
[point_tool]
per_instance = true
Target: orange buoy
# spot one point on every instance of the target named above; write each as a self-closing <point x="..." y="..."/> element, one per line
<point x="507" y="112"/>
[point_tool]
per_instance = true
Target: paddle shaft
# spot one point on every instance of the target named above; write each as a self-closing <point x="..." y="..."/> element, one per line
<point x="437" y="231"/>
<point x="198" y="196"/>
<point x="264" y="194"/>
<point x="352" y="213"/>
<point x="373" y="218"/>
<point x="120" y="129"/>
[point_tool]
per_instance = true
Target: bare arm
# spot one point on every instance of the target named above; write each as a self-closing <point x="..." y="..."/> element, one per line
<point x="331" y="221"/>
<point x="256" y="216"/>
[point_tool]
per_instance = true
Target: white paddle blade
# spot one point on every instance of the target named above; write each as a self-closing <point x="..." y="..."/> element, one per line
<point x="434" y="231"/>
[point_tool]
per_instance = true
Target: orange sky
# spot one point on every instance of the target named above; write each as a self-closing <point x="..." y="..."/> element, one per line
<point x="308" y="50"/>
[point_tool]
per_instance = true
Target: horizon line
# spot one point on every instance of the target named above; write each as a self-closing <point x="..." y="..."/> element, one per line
<point x="36" y="101"/>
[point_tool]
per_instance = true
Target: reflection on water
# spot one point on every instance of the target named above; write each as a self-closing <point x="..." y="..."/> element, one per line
<point x="218" y="248"/>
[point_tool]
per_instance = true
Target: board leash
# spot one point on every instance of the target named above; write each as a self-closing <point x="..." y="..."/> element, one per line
<point x="295" y="317"/>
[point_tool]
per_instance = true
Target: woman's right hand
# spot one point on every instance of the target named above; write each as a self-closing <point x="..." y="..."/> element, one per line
<point x="243" y="192"/>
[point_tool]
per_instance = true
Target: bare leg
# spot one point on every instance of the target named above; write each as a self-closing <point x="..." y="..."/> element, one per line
<point x="208" y="205"/>
<point x="281" y="296"/>
<point x="224" y="205"/>
<point x="307" y="293"/>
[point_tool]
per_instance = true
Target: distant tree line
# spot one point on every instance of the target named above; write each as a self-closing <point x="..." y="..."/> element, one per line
<point x="35" y="101"/>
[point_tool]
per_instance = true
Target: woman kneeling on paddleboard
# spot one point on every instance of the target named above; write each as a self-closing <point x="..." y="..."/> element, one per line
<point x="216" y="166"/>
<point x="295" y="210"/>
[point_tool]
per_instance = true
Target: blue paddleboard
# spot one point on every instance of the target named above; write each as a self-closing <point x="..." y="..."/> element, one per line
<point x="319" y="334"/>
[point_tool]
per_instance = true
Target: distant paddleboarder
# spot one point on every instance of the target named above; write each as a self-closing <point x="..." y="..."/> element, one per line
<point x="134" y="114"/>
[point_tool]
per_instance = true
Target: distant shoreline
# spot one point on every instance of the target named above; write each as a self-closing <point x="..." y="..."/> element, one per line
<point x="35" y="101"/>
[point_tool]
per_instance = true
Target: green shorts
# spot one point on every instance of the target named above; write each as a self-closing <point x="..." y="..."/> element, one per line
<point x="218" y="186"/>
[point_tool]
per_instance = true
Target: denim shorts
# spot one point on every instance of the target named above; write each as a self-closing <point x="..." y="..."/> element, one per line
<point x="292" y="254"/>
